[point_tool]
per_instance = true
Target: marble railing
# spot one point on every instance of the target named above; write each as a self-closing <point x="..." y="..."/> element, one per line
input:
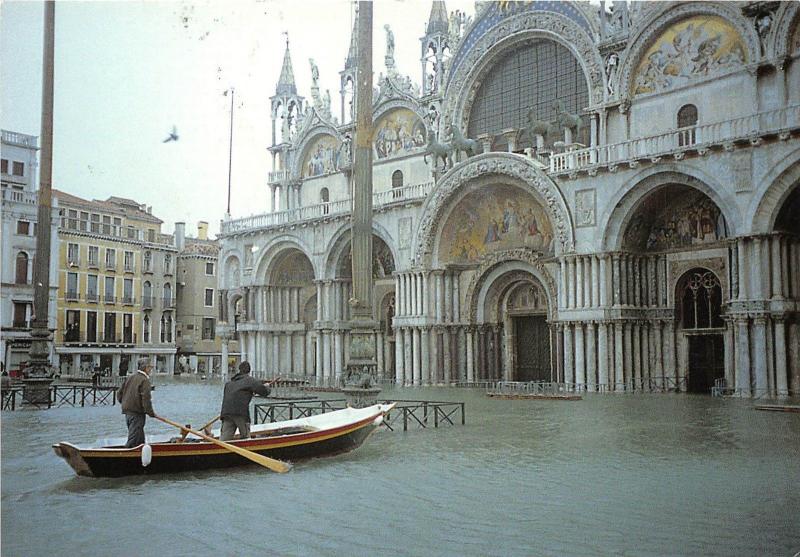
<point x="682" y="139"/>
<point x="17" y="196"/>
<point x="17" y="138"/>
<point x="277" y="176"/>
<point x="323" y="210"/>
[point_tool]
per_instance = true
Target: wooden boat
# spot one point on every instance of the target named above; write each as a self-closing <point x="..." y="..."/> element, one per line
<point x="313" y="436"/>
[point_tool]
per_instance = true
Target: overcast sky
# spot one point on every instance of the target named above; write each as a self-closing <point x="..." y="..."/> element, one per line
<point x="126" y="72"/>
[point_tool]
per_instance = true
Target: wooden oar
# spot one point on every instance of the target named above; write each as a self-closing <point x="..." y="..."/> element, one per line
<point x="271" y="463"/>
<point x="203" y="429"/>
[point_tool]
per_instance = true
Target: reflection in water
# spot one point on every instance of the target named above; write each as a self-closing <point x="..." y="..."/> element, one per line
<point x="612" y="474"/>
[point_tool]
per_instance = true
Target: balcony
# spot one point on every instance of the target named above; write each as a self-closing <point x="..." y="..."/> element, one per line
<point x="111" y="266"/>
<point x="412" y="193"/>
<point x="277" y="176"/>
<point x="147" y="302"/>
<point x="169" y="301"/>
<point x="109" y="299"/>
<point x="21" y="139"/>
<point x="71" y="296"/>
<point x="73" y="262"/>
<point x="17" y="196"/>
<point x="129" y="269"/>
<point x="92" y="297"/>
<point x="675" y="142"/>
<point x="128" y="300"/>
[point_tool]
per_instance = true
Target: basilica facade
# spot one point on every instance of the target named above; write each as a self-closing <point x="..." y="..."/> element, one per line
<point x="606" y="197"/>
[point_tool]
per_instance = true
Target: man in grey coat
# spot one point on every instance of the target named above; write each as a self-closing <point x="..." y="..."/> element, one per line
<point x="135" y="398"/>
<point x="236" y="399"/>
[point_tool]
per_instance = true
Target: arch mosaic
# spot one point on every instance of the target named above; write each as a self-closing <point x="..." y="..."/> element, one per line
<point x="623" y="206"/>
<point x="675" y="64"/>
<point x="488" y="167"/>
<point x="340" y="243"/>
<point x="273" y="252"/>
<point x="291" y="268"/>
<point x="491" y="218"/>
<point x="397" y="133"/>
<point x="320" y="156"/>
<point x="383" y="263"/>
<point x="508" y="34"/>
<point x="500" y="264"/>
<point x="781" y="180"/>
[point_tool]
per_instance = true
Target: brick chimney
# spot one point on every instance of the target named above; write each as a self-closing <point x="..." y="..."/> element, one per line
<point x="202" y="230"/>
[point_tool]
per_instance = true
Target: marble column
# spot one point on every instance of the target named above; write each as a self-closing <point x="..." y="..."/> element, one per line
<point x="595" y="281"/>
<point x="409" y="360"/>
<point x="569" y="355"/>
<point x="616" y="280"/>
<point x="636" y="338"/>
<point x="604" y="280"/>
<point x="436" y="367"/>
<point x="425" y="357"/>
<point x="670" y="372"/>
<point x="470" y="355"/>
<point x="580" y="368"/>
<point x="448" y="297"/>
<point x="602" y="355"/>
<point x="742" y="357"/>
<point x="562" y="292"/>
<point x="399" y="368"/>
<point x="579" y="282"/>
<point x="447" y="364"/>
<point x="659" y="364"/>
<point x="417" y="364"/>
<point x="794" y="356"/>
<point x="571" y="282"/>
<point x="777" y="275"/>
<point x="591" y="353"/>
<point x="760" y="356"/>
<point x="619" y="364"/>
<point x="627" y="354"/>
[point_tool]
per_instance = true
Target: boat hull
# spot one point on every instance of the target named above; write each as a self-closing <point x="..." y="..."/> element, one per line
<point x="192" y="456"/>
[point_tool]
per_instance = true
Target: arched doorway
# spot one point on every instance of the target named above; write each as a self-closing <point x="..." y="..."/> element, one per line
<point x="525" y="307"/>
<point x="698" y="301"/>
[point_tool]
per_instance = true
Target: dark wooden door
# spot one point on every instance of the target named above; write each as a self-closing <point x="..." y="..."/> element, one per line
<point x="533" y="348"/>
<point x="706" y="362"/>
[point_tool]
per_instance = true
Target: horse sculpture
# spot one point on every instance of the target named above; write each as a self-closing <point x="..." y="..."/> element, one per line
<point x="565" y="119"/>
<point x="438" y="150"/>
<point x="470" y="147"/>
<point x="536" y="127"/>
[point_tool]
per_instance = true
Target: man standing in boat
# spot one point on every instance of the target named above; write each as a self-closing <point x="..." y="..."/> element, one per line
<point x="236" y="399"/>
<point x="135" y="397"/>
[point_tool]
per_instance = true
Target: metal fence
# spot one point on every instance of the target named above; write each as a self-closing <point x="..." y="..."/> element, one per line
<point x="61" y="395"/>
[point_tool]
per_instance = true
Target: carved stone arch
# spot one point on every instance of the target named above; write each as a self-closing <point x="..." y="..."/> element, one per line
<point x="308" y="139"/>
<point x="387" y="106"/>
<point x="678" y="270"/>
<point x="233" y="297"/>
<point x="504" y="37"/>
<point x="341" y="240"/>
<point x="273" y="251"/>
<point x="659" y="20"/>
<point x="622" y="207"/>
<point x="500" y="263"/>
<point x="518" y="169"/>
<point x="787" y="22"/>
<point x="780" y="182"/>
<point x="228" y="259"/>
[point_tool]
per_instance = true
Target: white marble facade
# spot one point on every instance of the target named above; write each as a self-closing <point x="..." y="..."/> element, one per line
<point x="654" y="245"/>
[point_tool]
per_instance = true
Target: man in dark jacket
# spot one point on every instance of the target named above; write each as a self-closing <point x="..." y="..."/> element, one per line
<point x="135" y="398"/>
<point x="235" y="411"/>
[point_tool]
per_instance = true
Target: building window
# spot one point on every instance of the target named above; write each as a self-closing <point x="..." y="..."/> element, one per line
<point x="108" y="297"/>
<point x="94" y="256"/>
<point x="21" y="275"/>
<point x="91" y="326"/>
<point x="163" y="332"/>
<point x="701" y="300"/>
<point x="209" y="301"/>
<point x="397" y="183"/>
<point x="73" y="254"/>
<point x="19" y="169"/>
<point x="128" y="262"/>
<point x="151" y="235"/>
<point x="687" y="118"/>
<point x="111" y="258"/>
<point x="169" y="329"/>
<point x="209" y="269"/>
<point x="23" y="227"/>
<point x="208" y="328"/>
<point x="127" y="328"/>
<point x="4" y="166"/>
<point x="147" y="295"/>
<point x="324" y="197"/>
<point x="167" y="295"/>
<point x="21" y="315"/>
<point x="127" y="291"/>
<point x="167" y="264"/>
<point x="110" y="327"/>
<point x="73" y="332"/>
<point x="72" y="286"/>
<point x="148" y="262"/>
<point x="95" y="224"/>
<point x="146" y="329"/>
<point x="91" y="288"/>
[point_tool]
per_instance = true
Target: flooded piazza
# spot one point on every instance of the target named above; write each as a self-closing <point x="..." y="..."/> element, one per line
<point x="630" y="474"/>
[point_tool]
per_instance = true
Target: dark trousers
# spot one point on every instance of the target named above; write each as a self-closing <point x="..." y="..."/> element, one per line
<point x="229" y="426"/>
<point x="135" y="429"/>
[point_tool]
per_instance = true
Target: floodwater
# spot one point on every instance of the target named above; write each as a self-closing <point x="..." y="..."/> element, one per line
<point x="608" y="475"/>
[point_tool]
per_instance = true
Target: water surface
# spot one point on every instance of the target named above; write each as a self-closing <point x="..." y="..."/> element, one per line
<point x="608" y="475"/>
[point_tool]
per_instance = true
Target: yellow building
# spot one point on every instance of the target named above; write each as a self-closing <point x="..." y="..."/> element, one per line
<point x="116" y="287"/>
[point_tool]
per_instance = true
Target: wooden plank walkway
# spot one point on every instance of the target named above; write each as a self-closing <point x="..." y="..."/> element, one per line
<point x="778" y="408"/>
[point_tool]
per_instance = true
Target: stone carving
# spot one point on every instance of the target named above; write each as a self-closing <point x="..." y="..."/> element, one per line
<point x="438" y="151"/>
<point x="404" y="232"/>
<point x="398" y="133"/>
<point x="714" y="264"/>
<point x="585" y="208"/>
<point x="461" y="144"/>
<point x="293" y="269"/>
<point x="345" y="154"/>
<point x="484" y="167"/>
<point x="515" y="30"/>
<point x="390" y="67"/>
<point x="694" y="48"/>
<point x="612" y="64"/>
<point x="456" y="22"/>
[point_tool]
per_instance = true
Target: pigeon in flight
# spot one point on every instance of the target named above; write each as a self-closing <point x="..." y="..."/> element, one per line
<point x="173" y="135"/>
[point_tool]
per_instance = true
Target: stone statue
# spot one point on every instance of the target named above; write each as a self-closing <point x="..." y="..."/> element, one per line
<point x="536" y="128"/>
<point x="326" y="102"/>
<point x="344" y="151"/>
<point x="389" y="45"/>
<point x="565" y="119"/>
<point x="612" y="64"/>
<point x="314" y="73"/>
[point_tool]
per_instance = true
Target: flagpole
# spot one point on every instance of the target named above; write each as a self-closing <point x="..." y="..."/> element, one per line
<point x="230" y="154"/>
